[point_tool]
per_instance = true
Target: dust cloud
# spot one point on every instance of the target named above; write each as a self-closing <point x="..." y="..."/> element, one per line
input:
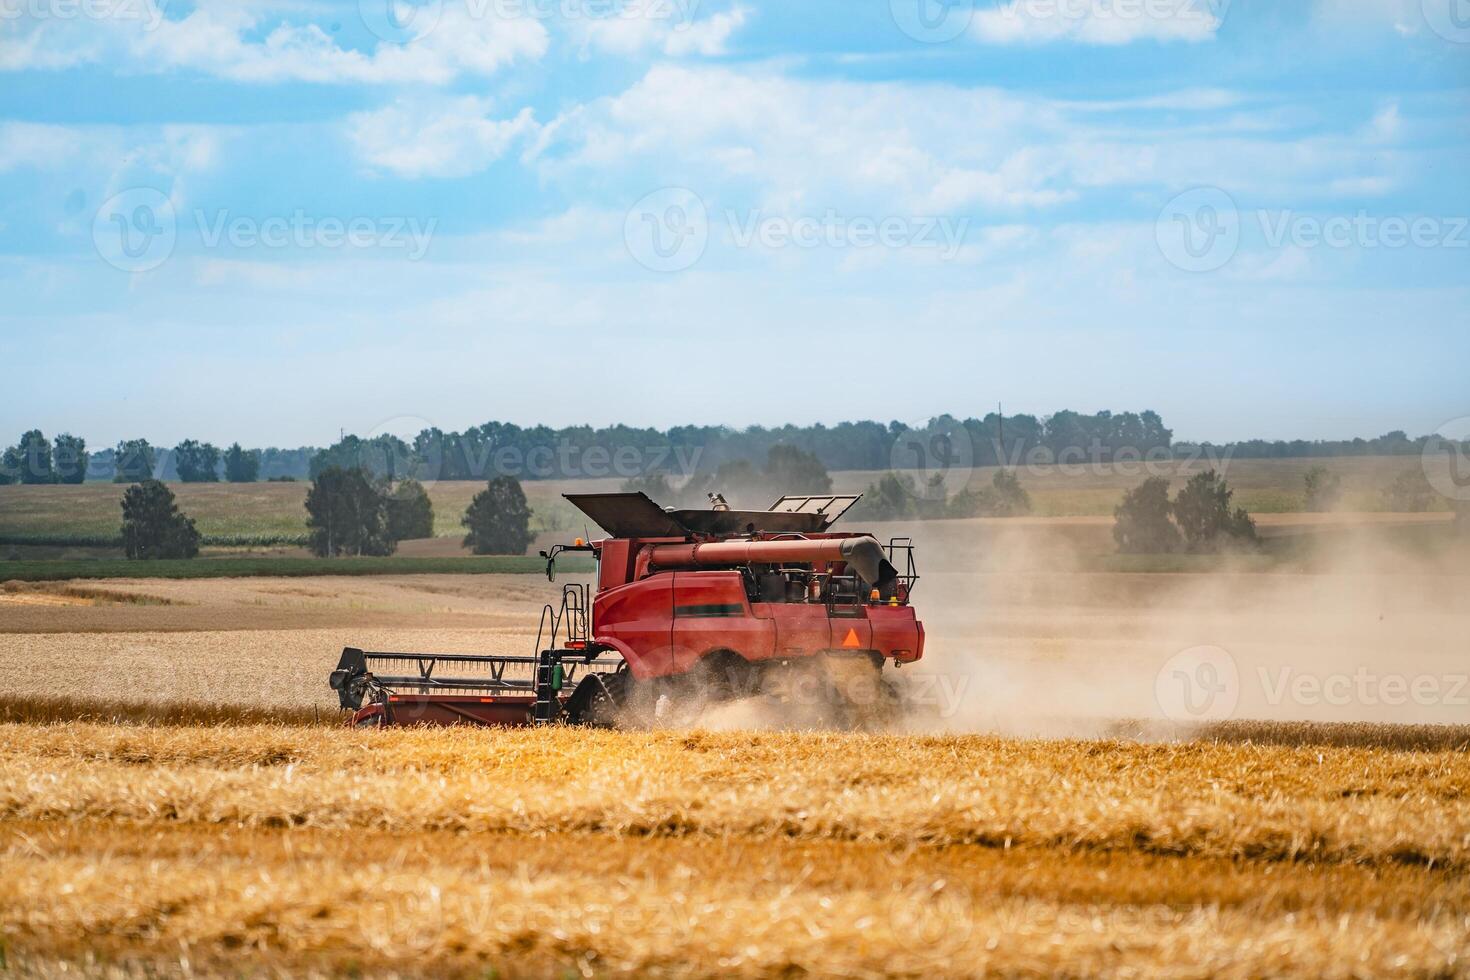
<point x="1032" y="630"/>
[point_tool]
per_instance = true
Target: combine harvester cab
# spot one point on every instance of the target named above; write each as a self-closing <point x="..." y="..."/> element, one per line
<point x="690" y="605"/>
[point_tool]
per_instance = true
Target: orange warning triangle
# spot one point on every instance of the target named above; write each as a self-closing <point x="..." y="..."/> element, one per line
<point x="851" y="639"/>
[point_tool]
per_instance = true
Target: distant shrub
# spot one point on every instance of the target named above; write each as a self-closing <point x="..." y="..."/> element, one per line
<point x="1410" y="492"/>
<point x="152" y="525"/>
<point x="655" y="486"/>
<point x="792" y="470"/>
<point x="348" y="515"/>
<point x="410" y="512"/>
<point x="197" y="462"/>
<point x="498" y="519"/>
<point x="70" y="458"/>
<point x="894" y="497"/>
<point x="134" y="461"/>
<point x="242" y="465"/>
<point x="1323" y="489"/>
<point x="1141" y="522"/>
<point x="1005" y="497"/>
<point x="1203" y="513"/>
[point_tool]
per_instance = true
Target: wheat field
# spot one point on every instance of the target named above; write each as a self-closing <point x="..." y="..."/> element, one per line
<point x="288" y="849"/>
<point x="179" y="796"/>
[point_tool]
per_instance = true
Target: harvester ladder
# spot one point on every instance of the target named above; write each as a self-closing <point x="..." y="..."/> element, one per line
<point x="570" y="623"/>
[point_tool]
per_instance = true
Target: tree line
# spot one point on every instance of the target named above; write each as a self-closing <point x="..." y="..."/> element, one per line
<point x="538" y="452"/>
<point x="350" y="512"/>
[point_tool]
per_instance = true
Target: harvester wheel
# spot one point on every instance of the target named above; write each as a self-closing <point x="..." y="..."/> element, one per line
<point x="861" y="697"/>
<point x="599" y="699"/>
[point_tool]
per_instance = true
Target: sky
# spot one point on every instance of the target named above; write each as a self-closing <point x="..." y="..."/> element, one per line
<point x="273" y="220"/>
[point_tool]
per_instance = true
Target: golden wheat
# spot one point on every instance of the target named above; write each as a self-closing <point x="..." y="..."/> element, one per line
<point x="1206" y="799"/>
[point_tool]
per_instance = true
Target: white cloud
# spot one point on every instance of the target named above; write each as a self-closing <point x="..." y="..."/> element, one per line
<point x="453" y="139"/>
<point x="656" y="27"/>
<point x="1386" y="124"/>
<point x="1403" y="17"/>
<point x="1106" y="22"/>
<point x="36" y="145"/>
<point x="807" y="143"/>
<point x="754" y="137"/>
<point x="236" y="42"/>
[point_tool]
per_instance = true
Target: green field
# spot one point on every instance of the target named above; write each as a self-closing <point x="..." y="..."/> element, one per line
<point x="266" y="512"/>
<point x="269" y="512"/>
<point x="50" y="571"/>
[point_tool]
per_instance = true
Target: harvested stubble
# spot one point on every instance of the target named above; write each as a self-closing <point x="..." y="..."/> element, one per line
<point x="291" y="849"/>
<point x="1259" y="802"/>
<point x="108" y="711"/>
<point x="439" y="904"/>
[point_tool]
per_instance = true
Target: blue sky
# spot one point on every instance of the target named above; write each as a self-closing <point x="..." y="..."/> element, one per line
<point x="267" y="221"/>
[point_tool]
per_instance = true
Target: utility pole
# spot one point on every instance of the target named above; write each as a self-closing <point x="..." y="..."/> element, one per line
<point x="1000" y="430"/>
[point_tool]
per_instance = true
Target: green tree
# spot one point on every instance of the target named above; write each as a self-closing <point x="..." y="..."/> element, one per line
<point x="1005" y="497"/>
<point x="737" y="478"/>
<point x="1411" y="492"/>
<point x="655" y="486"/>
<point x="893" y="497"/>
<point x="71" y="458"/>
<point x="133" y="461"/>
<point x="1141" y="523"/>
<point x="197" y="462"/>
<point x="33" y="454"/>
<point x="410" y="512"/>
<point x="1010" y="498"/>
<point x="792" y="470"/>
<point x="347" y="515"/>
<point x="498" y="519"/>
<point x="1203" y="512"/>
<point x="152" y="525"/>
<point x="242" y="465"/>
<point x="1323" y="488"/>
<point x="382" y="456"/>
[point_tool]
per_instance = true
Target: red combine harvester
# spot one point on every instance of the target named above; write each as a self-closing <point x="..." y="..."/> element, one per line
<point x="690" y="606"/>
